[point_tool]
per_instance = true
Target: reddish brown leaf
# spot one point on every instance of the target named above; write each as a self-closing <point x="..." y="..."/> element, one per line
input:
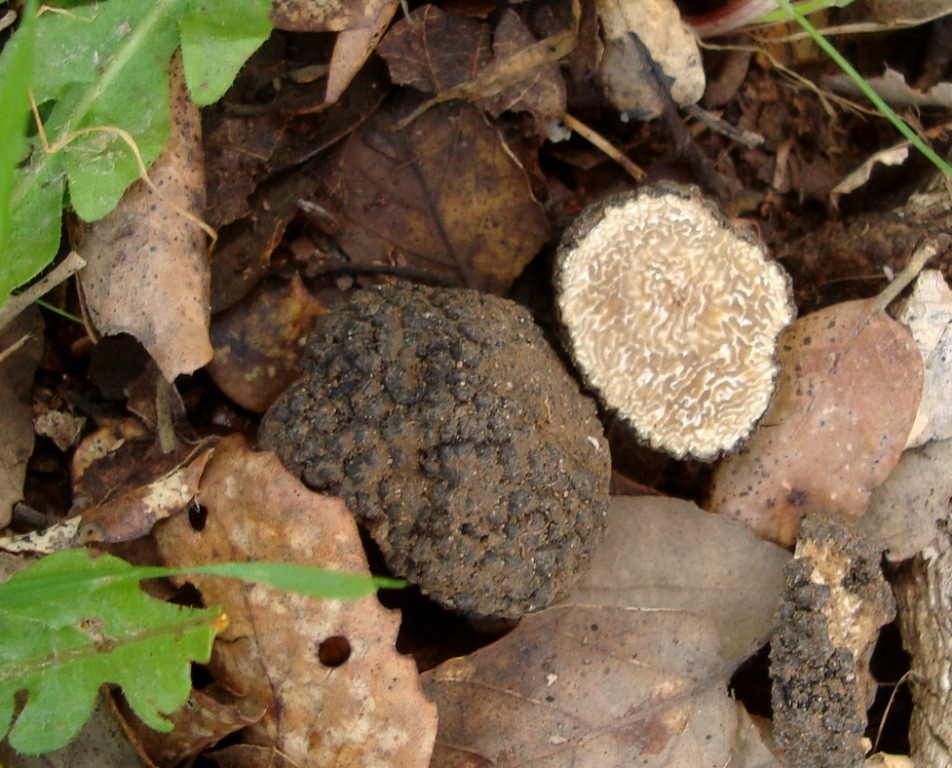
<point x="846" y="400"/>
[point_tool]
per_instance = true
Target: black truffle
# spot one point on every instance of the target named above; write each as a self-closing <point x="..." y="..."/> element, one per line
<point x="458" y="439"/>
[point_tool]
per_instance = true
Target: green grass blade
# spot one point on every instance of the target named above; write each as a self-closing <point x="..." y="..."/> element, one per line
<point x="865" y="87"/>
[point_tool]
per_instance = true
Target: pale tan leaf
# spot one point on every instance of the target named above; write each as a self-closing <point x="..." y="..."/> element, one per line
<point x="667" y="554"/>
<point x="624" y="69"/>
<point x="367" y="709"/>
<point x="846" y="400"/>
<point x="146" y="268"/>
<point x="352" y="48"/>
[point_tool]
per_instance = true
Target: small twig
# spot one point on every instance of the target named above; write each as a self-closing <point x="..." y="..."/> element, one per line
<point x="718" y="125"/>
<point x="924" y="251"/>
<point x="600" y="142"/>
<point x="20" y="301"/>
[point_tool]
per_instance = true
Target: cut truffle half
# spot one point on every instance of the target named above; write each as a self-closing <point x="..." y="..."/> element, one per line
<point x="672" y="315"/>
<point x="459" y="440"/>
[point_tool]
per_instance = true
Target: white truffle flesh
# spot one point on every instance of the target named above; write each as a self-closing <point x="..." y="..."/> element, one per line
<point x="673" y="316"/>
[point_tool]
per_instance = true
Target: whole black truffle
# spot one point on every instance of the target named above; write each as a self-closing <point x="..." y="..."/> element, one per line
<point x="458" y="439"/>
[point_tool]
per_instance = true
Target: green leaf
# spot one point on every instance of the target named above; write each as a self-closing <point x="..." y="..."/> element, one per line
<point x="70" y="622"/>
<point x="14" y="106"/>
<point x="218" y="36"/>
<point x="60" y="649"/>
<point x="100" y="77"/>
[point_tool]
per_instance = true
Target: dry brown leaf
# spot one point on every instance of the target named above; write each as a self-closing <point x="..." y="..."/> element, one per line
<point x="259" y="342"/>
<point x="661" y="553"/>
<point x="146" y="268"/>
<point x="435" y="51"/>
<point x="22" y="344"/>
<point x="625" y="70"/>
<point x="325" y="15"/>
<point x="543" y="93"/>
<point x="587" y="686"/>
<point x="444" y="196"/>
<point x="368" y="709"/>
<point x="846" y="400"/>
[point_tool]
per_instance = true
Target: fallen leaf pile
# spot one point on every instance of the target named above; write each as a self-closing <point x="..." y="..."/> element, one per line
<point x="453" y="144"/>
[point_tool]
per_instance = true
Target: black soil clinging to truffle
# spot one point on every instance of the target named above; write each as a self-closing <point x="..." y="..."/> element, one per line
<point x="457" y="438"/>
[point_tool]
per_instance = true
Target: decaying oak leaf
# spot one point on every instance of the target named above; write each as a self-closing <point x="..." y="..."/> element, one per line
<point x="661" y="553"/>
<point x="845" y="402"/>
<point x="582" y="685"/>
<point x="146" y="268"/>
<point x="361" y="24"/>
<point x="22" y="344"/>
<point x="905" y="512"/>
<point x="360" y="706"/>
<point x="443" y="195"/>
<point x="625" y="68"/>
<point x="259" y="342"/>
<point x="927" y="313"/>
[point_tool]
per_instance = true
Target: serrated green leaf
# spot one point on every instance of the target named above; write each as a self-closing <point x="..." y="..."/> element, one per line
<point x="61" y="649"/>
<point x="101" y="77"/>
<point x="218" y="36"/>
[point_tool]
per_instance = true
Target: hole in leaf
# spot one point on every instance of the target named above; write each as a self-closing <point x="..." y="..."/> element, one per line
<point x="197" y="516"/>
<point x="334" y="651"/>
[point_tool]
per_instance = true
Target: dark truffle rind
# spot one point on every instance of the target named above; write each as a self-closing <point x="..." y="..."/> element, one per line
<point x="459" y="440"/>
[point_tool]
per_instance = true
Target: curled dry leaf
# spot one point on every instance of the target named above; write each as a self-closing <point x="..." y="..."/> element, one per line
<point x="443" y="195"/>
<point x="146" y="268"/>
<point x="846" y="400"/>
<point x="625" y="69"/>
<point x="927" y="313"/>
<point x="22" y="344"/>
<point x="906" y="511"/>
<point x="666" y="554"/>
<point x="259" y="342"/>
<point x="582" y="685"/>
<point x="366" y="709"/>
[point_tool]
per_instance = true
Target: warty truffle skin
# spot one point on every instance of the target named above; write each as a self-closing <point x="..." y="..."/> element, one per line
<point x="458" y="439"/>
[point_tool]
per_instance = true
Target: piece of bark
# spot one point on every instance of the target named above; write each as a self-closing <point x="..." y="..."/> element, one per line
<point x="923" y="592"/>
